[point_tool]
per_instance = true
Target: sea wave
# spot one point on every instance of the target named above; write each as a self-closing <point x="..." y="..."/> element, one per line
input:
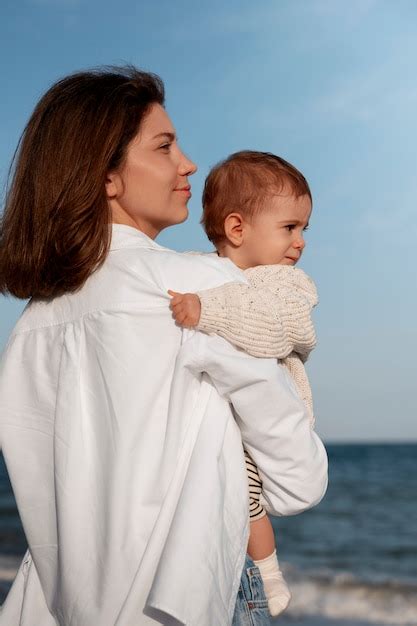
<point x="343" y="596"/>
<point x="8" y="568"/>
<point x="335" y="596"/>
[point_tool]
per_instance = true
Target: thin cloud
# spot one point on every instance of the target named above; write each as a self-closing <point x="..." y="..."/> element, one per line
<point x="266" y="16"/>
<point x="356" y="9"/>
<point x="369" y="96"/>
<point x="59" y="4"/>
<point x="399" y="217"/>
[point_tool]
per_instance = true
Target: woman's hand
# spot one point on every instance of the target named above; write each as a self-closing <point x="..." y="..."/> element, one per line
<point x="186" y="308"/>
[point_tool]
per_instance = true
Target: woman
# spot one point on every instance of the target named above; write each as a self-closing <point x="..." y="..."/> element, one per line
<point x="116" y="425"/>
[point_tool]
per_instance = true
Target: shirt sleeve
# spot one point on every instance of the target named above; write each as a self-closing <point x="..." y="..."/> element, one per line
<point x="274" y="423"/>
<point x="268" y="317"/>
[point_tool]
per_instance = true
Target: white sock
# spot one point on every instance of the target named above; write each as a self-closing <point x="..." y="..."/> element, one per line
<point x="276" y="589"/>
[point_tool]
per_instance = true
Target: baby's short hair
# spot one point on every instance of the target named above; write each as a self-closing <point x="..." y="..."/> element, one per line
<point x="242" y="183"/>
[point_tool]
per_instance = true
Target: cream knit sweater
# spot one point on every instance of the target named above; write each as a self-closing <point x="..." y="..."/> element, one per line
<point x="269" y="317"/>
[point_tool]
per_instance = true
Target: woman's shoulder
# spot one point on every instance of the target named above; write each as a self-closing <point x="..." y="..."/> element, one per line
<point x="192" y="271"/>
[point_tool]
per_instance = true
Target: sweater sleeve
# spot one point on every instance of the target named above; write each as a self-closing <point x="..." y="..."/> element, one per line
<point x="298" y="372"/>
<point x="268" y="317"/>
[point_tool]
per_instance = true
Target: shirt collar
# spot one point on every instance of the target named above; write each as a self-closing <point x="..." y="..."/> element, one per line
<point x="124" y="236"/>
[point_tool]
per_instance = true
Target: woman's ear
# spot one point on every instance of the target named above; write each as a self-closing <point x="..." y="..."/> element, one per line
<point x="113" y="185"/>
<point x="233" y="228"/>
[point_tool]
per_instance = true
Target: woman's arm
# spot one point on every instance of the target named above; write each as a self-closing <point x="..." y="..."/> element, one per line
<point x="291" y="460"/>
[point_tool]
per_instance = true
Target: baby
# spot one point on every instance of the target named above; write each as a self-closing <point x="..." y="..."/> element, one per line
<point x="256" y="207"/>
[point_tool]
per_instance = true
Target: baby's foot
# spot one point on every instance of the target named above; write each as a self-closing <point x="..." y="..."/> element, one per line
<point x="277" y="593"/>
<point x="276" y="589"/>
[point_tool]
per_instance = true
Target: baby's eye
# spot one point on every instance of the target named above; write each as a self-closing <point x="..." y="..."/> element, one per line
<point x="306" y="228"/>
<point x="290" y="227"/>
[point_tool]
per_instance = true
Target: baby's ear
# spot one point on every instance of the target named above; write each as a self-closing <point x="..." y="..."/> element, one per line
<point x="233" y="228"/>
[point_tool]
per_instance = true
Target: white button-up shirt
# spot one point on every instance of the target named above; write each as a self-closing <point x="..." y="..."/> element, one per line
<point x="122" y="434"/>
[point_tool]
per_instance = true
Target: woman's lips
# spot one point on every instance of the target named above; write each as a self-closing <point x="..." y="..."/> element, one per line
<point x="185" y="190"/>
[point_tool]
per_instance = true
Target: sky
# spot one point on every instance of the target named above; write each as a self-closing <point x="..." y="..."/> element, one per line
<point x="330" y="86"/>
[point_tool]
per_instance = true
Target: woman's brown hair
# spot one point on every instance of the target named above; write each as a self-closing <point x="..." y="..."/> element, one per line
<point x="55" y="230"/>
<point x="243" y="183"/>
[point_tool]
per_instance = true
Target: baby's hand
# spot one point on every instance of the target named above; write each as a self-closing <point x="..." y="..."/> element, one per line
<point x="186" y="308"/>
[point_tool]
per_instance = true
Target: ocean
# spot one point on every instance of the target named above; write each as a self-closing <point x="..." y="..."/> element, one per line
<point x="351" y="561"/>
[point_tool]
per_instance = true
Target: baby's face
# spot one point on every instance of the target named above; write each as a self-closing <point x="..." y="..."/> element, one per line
<point x="275" y="234"/>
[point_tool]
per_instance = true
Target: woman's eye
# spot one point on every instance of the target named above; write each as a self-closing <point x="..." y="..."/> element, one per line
<point x="165" y="146"/>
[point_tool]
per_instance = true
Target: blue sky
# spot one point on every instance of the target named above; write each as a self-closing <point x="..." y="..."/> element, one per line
<point x="327" y="84"/>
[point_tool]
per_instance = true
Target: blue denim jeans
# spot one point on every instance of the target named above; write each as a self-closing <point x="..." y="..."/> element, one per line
<point x="251" y="604"/>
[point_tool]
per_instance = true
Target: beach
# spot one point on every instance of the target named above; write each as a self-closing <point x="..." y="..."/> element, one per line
<point x="351" y="561"/>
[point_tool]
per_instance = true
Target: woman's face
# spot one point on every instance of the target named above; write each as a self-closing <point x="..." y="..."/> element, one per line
<point x="150" y="190"/>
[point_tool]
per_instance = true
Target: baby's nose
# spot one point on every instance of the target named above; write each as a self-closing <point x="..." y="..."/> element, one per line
<point x="300" y="243"/>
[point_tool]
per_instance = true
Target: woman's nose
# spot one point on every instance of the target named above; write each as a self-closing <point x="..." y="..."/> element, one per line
<point x="186" y="167"/>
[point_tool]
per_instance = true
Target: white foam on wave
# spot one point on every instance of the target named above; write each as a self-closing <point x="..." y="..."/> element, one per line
<point x="333" y="596"/>
<point x="342" y="596"/>
<point x="8" y="567"/>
